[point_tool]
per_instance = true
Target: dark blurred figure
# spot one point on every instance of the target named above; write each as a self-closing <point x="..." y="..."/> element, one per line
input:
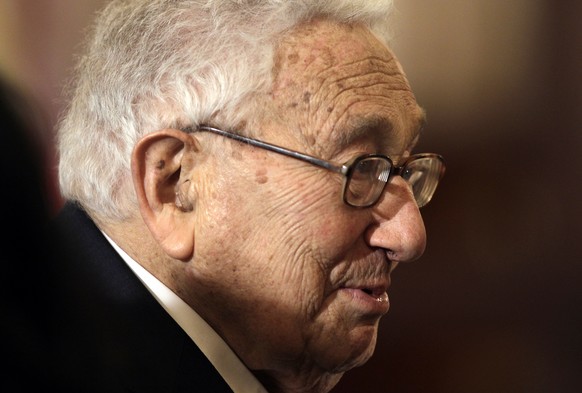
<point x="26" y="277"/>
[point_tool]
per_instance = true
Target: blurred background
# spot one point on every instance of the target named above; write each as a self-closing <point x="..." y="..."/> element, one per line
<point x="495" y="303"/>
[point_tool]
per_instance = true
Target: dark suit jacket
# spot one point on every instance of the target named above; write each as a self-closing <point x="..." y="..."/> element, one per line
<point x="110" y="334"/>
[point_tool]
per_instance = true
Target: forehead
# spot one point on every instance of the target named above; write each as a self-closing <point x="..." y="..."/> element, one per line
<point x="336" y="84"/>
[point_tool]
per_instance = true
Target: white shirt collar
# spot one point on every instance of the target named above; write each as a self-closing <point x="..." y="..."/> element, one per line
<point x="222" y="357"/>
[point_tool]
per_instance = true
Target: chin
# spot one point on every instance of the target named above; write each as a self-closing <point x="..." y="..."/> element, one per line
<point x="360" y="360"/>
<point x="358" y="349"/>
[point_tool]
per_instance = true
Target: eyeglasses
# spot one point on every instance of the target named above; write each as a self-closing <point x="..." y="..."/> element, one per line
<point x="365" y="176"/>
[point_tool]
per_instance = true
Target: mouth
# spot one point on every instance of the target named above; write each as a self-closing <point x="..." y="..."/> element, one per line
<point x="363" y="288"/>
<point x="366" y="300"/>
<point x="378" y="294"/>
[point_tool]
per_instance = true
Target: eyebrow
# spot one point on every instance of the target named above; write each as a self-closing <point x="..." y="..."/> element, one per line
<point x="358" y="128"/>
<point x="361" y="127"/>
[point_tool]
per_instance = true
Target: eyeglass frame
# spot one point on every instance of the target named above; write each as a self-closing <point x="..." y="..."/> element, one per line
<point x="343" y="169"/>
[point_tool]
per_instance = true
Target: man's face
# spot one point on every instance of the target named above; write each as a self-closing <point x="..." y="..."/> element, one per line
<point x="289" y="275"/>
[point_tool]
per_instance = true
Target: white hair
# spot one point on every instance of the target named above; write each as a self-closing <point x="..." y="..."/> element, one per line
<point x="154" y="64"/>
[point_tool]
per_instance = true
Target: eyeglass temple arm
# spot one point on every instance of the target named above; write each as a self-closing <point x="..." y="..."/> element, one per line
<point x="278" y="149"/>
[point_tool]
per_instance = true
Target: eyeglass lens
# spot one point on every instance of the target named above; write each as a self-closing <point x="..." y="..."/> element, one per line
<point x="369" y="175"/>
<point x="366" y="181"/>
<point x="423" y="175"/>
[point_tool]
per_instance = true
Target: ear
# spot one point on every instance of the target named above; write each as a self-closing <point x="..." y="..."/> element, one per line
<point x="162" y="164"/>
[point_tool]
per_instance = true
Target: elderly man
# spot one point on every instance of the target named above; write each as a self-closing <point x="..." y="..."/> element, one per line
<point x="240" y="185"/>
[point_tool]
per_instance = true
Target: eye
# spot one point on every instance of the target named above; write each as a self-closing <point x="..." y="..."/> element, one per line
<point x="366" y="168"/>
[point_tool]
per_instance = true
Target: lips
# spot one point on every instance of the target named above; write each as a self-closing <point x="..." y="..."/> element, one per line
<point x="362" y="285"/>
<point x="373" y="287"/>
<point x="366" y="300"/>
<point x="378" y="293"/>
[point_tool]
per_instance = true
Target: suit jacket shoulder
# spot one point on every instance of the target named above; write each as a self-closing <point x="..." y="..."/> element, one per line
<point x="111" y="335"/>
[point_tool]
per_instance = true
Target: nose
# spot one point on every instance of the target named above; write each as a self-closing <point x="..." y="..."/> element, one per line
<point x="397" y="227"/>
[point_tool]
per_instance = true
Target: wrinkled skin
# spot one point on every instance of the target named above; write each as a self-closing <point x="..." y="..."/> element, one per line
<point x="280" y="263"/>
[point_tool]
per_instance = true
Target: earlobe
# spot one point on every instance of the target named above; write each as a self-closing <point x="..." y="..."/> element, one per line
<point x="162" y="164"/>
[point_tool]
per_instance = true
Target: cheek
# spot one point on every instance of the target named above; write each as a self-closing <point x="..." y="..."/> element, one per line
<point x="267" y="263"/>
<point x="304" y="222"/>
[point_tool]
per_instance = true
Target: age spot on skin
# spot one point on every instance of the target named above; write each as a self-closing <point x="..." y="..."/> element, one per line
<point x="310" y="140"/>
<point x="293" y="58"/>
<point x="306" y="97"/>
<point x="161" y="164"/>
<point x="261" y="176"/>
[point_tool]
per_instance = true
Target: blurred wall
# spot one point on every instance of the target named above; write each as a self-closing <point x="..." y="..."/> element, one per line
<point x="38" y="40"/>
<point x="494" y="305"/>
